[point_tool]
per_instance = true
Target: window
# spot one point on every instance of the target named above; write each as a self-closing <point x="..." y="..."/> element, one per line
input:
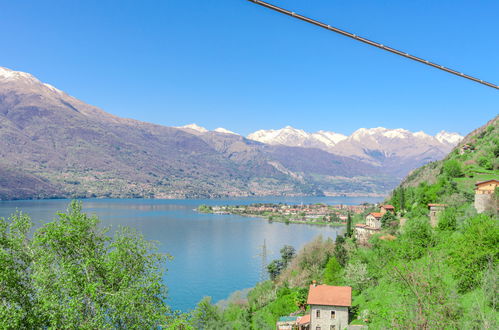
<point x="333" y="314"/>
<point x="318" y="328"/>
<point x="318" y="314"/>
<point x="333" y="327"/>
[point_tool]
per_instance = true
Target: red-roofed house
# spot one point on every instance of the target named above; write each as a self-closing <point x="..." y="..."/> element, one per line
<point x="387" y="208"/>
<point x="373" y="220"/>
<point x="329" y="306"/>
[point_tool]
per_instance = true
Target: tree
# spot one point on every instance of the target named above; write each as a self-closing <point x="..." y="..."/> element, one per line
<point x="349" y="225"/>
<point x="17" y="295"/>
<point x="340" y="252"/>
<point x="78" y="276"/>
<point x="386" y="219"/>
<point x="472" y="250"/>
<point x="287" y="253"/>
<point x="274" y="268"/>
<point x="206" y="315"/>
<point x="332" y="272"/>
<point x="452" y="168"/>
<point x="447" y="220"/>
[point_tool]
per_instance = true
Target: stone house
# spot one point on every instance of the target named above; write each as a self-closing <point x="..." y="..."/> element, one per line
<point x="329" y="306"/>
<point x="373" y="220"/>
<point x="387" y="208"/>
<point x="435" y="210"/>
<point x="484" y="195"/>
<point x="371" y="227"/>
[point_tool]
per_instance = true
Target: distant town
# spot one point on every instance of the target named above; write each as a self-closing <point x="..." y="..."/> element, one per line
<point x="319" y="213"/>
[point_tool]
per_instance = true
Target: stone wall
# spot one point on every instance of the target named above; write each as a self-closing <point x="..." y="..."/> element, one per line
<point x="325" y="321"/>
<point x="485" y="202"/>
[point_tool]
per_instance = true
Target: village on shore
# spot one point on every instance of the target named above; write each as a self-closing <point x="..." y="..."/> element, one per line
<point x="318" y="213"/>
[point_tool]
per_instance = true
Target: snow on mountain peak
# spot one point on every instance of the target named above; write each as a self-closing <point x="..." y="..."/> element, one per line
<point x="449" y="138"/>
<point x="223" y="130"/>
<point x="8" y="74"/>
<point x="195" y="127"/>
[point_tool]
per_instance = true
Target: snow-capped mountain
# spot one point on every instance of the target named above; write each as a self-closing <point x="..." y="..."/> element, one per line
<point x="196" y="129"/>
<point x="224" y="131"/>
<point x="292" y="137"/>
<point x="375" y="145"/>
<point x="450" y="138"/>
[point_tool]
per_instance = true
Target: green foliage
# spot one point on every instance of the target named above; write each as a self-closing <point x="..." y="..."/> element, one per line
<point x="72" y="275"/>
<point x="206" y="315"/>
<point x="416" y="238"/>
<point x="17" y="295"/>
<point x="387" y="219"/>
<point x="332" y="272"/>
<point x="448" y="219"/>
<point x="205" y="209"/>
<point x="473" y="249"/>
<point x="275" y="267"/>
<point x="340" y="251"/>
<point x="287" y="253"/>
<point x="452" y="168"/>
<point x="349" y="230"/>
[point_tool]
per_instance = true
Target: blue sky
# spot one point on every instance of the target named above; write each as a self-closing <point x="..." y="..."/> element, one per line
<point x="234" y="64"/>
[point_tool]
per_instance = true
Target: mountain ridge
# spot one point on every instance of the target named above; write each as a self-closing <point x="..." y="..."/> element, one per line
<point x="68" y="148"/>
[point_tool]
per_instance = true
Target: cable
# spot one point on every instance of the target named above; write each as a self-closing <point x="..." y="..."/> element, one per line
<point x="372" y="43"/>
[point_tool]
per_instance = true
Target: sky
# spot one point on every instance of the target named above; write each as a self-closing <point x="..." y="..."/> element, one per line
<point x="233" y="64"/>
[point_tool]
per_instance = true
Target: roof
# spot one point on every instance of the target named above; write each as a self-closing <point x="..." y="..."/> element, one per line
<point x="304" y="319"/>
<point x="287" y="318"/>
<point x="376" y="214"/>
<point x="482" y="182"/>
<point x="388" y="207"/>
<point x="330" y="295"/>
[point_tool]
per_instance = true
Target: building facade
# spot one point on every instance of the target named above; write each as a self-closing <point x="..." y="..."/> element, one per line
<point x="484" y="195"/>
<point x="329" y="306"/>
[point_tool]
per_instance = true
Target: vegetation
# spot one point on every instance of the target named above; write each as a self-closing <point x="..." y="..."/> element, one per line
<point x="409" y="277"/>
<point x="71" y="274"/>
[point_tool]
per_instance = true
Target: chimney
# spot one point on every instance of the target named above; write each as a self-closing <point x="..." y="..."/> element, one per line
<point x="314" y="283"/>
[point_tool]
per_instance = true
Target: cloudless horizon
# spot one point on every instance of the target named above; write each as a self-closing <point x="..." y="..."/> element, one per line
<point x="237" y="65"/>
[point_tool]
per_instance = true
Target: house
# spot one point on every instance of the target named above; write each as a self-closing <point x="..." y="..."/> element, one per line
<point x="329" y="306"/>
<point x="373" y="220"/>
<point x="484" y="195"/>
<point x="372" y="226"/>
<point x="435" y="210"/>
<point x="386" y="208"/>
<point x="465" y="148"/>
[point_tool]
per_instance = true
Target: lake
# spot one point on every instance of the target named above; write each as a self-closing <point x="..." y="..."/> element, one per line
<point x="214" y="255"/>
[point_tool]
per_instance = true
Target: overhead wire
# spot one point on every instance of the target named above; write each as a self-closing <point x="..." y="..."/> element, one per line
<point x="372" y="43"/>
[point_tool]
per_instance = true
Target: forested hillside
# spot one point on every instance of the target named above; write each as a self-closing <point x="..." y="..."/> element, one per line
<point x="409" y="276"/>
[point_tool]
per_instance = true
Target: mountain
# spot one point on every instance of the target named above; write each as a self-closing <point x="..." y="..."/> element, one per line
<point x="54" y="145"/>
<point x="398" y="150"/>
<point x="292" y="137"/>
<point x="66" y="148"/>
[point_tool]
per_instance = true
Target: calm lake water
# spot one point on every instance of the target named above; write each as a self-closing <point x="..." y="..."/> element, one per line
<point x="214" y="255"/>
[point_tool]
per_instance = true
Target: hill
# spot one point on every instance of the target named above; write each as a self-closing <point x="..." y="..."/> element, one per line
<point x="409" y="275"/>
